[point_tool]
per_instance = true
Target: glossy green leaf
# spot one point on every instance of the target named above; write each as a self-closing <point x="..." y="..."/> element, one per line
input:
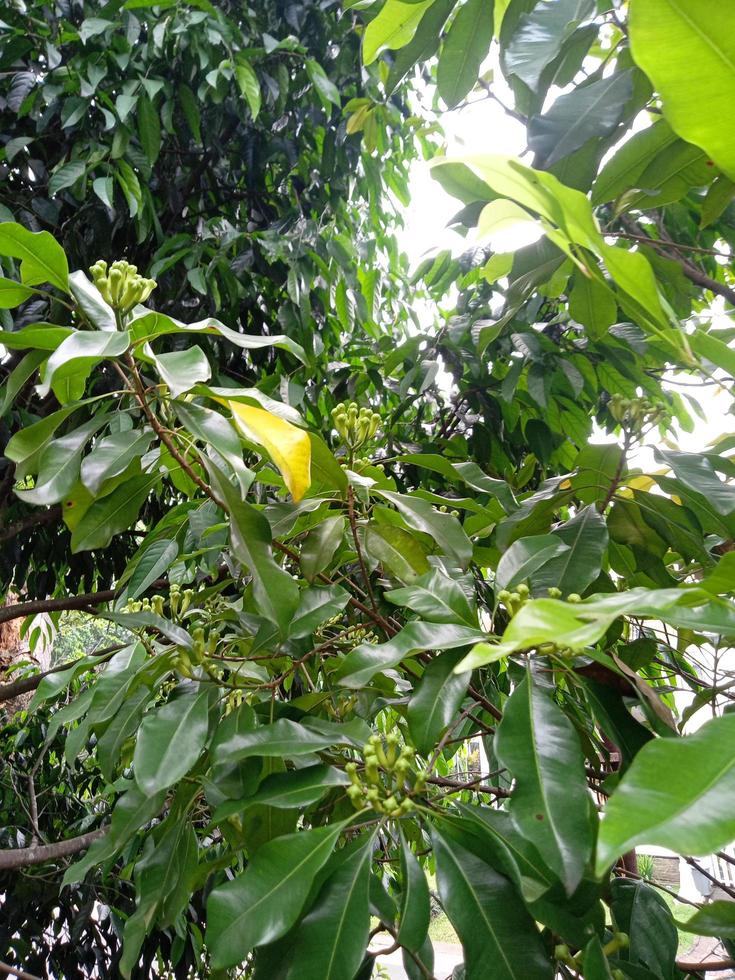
<point x="170" y="741"/>
<point x="525" y="557"/>
<point x="316" y="607"/>
<point x="393" y="27"/>
<point x="367" y="659"/>
<point x="576" y="568"/>
<point x="285" y="790"/>
<point x="331" y="939"/>
<point x="465" y="47"/>
<point x="282" y="738"/>
<point x="80" y="353"/>
<point x="58" y="466"/>
<point x="42" y="258"/>
<point x="321" y="546"/>
<point x="435" y="701"/>
<point x="715" y="919"/>
<point x="540" y="35"/>
<point x="398" y="551"/>
<point x="689" y="55"/>
<point x="66" y="176"/>
<point x="155" y="560"/>
<point x="182" y="369"/>
<point x="624" y="170"/>
<point x="492" y="923"/>
<point x="276" y="592"/>
<point x="263" y="903"/>
<point x="443" y="528"/>
<point x="437" y="598"/>
<point x="596" y="966"/>
<point x="676" y="794"/>
<point x="415" y="912"/>
<point x="249" y="85"/>
<point x="588" y="112"/>
<point x="114" y="513"/>
<point x="13" y="293"/>
<point x="550" y="802"/>
<point x="149" y="128"/>
<point x="592" y="303"/>
<point x="697" y="473"/>
<point x="90" y="301"/>
<point x="112" y="455"/>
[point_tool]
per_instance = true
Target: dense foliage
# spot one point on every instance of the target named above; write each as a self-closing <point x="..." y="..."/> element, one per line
<point x="350" y="545"/>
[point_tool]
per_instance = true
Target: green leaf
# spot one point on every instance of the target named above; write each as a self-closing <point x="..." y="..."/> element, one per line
<point x="443" y="528"/>
<point x="18" y="377"/>
<point x="321" y="545"/>
<point x="283" y="738"/>
<point x="132" y="810"/>
<point x="263" y="903"/>
<point x="435" y="701"/>
<point x="286" y="790"/>
<point x="436" y="598"/>
<point x="149" y="128"/>
<point x="626" y="167"/>
<point x="157" y="558"/>
<point x="89" y="299"/>
<point x="465" y="47"/>
<point x="489" y="916"/>
<point x="182" y="369"/>
<point x="525" y="557"/>
<point x="331" y="939"/>
<point x="112" y="455"/>
<point x="550" y="802"/>
<point x="276" y="592"/>
<point x="593" y="304"/>
<point x="248" y="84"/>
<point x="104" y="188"/>
<point x="114" y="513"/>
<point x="709" y="346"/>
<point x="39" y="336"/>
<point x="415" y="904"/>
<point x="596" y="966"/>
<point x="715" y="919"/>
<point x="393" y="27"/>
<point x="367" y="659"/>
<point x="641" y="912"/>
<point x="316" y="607"/>
<point x="540" y="35"/>
<point x="215" y="430"/>
<point x="576" y="568"/>
<point x="13" y="293"/>
<point x="399" y="552"/>
<point x="170" y="741"/>
<point x="65" y="176"/>
<point x="697" y="473"/>
<point x="688" y="52"/>
<point x="42" y="258"/>
<point x="326" y="89"/>
<point x="597" y="467"/>
<point x="590" y="111"/>
<point x="33" y="438"/>
<point x="676" y="794"/>
<point x="718" y="197"/>
<point x="80" y="353"/>
<point x="59" y="465"/>
<point x="190" y="107"/>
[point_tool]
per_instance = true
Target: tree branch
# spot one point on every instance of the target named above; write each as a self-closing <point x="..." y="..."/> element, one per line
<point x="16" y="688"/>
<point x="31" y="520"/>
<point x="15" y="971"/>
<point x="25" y="857"/>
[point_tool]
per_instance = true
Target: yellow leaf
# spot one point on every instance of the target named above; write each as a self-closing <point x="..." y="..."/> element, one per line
<point x="643" y="483"/>
<point x="288" y="446"/>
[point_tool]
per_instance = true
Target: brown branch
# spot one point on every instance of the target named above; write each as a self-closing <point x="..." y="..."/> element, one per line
<point x="617" y="476"/>
<point x="19" y="610"/>
<point x="34" y="519"/>
<point x="705" y="966"/>
<point x="15" y="971"/>
<point x="710" y="877"/>
<point x="16" y="688"/>
<point x="25" y="857"/>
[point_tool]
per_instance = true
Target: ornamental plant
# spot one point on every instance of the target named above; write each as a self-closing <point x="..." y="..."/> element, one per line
<point x="351" y="567"/>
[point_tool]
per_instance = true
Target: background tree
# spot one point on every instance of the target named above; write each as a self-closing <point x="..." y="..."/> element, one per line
<point x="336" y="590"/>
